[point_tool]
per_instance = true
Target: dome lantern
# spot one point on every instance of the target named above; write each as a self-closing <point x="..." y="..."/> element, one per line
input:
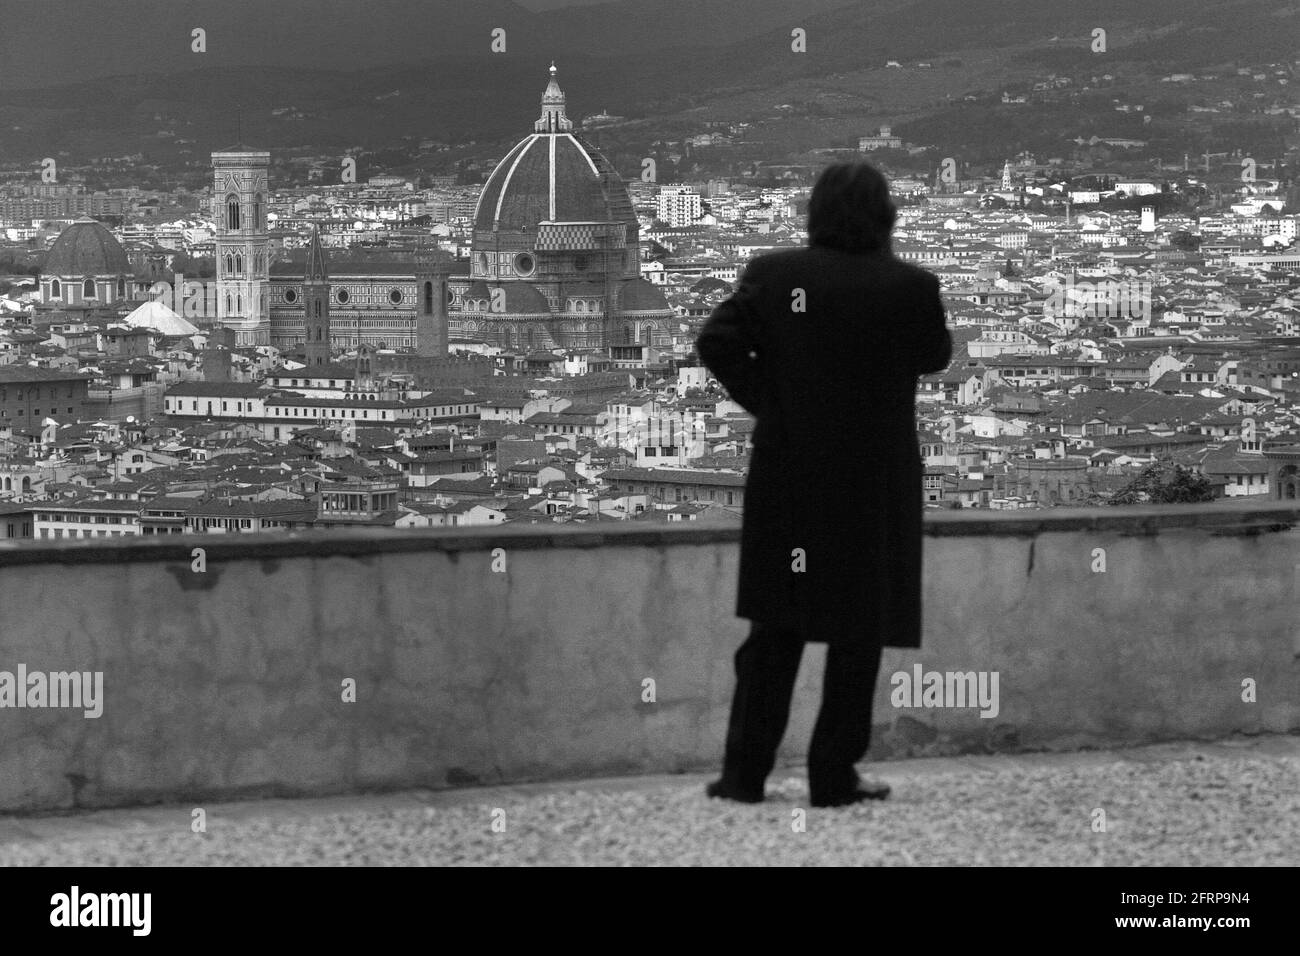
<point x="553" y="119"/>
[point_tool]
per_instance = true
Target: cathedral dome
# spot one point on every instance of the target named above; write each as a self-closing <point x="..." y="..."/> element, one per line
<point x="86" y="248"/>
<point x="553" y="175"/>
<point x="555" y="231"/>
<point x="552" y="178"/>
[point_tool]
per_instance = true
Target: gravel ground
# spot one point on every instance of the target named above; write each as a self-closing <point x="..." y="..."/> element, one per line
<point x="1180" y="805"/>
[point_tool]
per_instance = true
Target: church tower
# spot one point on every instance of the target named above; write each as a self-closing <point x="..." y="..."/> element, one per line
<point x="239" y="197"/>
<point x="316" y="303"/>
<point x="432" y="297"/>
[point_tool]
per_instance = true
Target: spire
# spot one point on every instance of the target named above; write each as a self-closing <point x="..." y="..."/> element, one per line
<point x="553" y="119"/>
<point x="316" y="270"/>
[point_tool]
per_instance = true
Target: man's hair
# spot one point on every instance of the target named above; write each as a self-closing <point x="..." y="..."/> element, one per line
<point x="851" y="209"/>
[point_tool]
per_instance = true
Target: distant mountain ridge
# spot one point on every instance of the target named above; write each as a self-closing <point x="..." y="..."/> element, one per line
<point x="367" y="73"/>
<point x="57" y="42"/>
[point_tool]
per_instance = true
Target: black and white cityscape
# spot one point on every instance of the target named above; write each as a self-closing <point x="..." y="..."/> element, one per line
<point x="408" y="408"/>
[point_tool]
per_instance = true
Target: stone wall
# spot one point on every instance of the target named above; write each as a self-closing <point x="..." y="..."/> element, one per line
<point x="231" y="681"/>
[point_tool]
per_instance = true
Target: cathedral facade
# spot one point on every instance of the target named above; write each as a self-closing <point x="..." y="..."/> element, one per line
<point x="370" y="302"/>
<point x="316" y="309"/>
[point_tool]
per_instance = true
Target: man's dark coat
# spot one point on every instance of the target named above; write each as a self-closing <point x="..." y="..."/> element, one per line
<point x="831" y="539"/>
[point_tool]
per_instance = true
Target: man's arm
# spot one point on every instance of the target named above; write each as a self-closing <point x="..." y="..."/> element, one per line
<point x="933" y="341"/>
<point x="730" y="346"/>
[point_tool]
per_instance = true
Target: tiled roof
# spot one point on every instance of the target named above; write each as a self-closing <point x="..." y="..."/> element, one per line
<point x="218" y="390"/>
<point x="238" y="508"/>
<point x="674" y="476"/>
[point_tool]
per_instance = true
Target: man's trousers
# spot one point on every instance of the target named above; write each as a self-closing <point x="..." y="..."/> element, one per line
<point x="767" y="664"/>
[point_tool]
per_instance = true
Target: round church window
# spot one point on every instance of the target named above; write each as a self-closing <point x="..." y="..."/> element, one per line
<point x="525" y="264"/>
<point x="290" y="296"/>
<point x="343" y="295"/>
<point x="395" y="297"/>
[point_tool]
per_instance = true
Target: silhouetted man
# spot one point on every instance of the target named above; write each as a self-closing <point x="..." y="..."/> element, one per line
<point x="823" y="345"/>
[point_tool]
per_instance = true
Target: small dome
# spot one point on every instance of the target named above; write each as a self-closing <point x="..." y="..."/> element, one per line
<point x="155" y="315"/>
<point x="638" y="295"/>
<point x="86" y="248"/>
<point x="521" y="297"/>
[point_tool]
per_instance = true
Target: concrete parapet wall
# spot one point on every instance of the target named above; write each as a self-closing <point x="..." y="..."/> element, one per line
<point x="230" y="682"/>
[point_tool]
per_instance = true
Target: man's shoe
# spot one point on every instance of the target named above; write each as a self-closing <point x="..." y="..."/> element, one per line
<point x="864" y="791"/>
<point x="722" y="789"/>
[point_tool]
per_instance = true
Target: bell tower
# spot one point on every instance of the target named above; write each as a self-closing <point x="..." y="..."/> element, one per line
<point x="239" y="199"/>
<point x="431" y="303"/>
<point x="316" y="303"/>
